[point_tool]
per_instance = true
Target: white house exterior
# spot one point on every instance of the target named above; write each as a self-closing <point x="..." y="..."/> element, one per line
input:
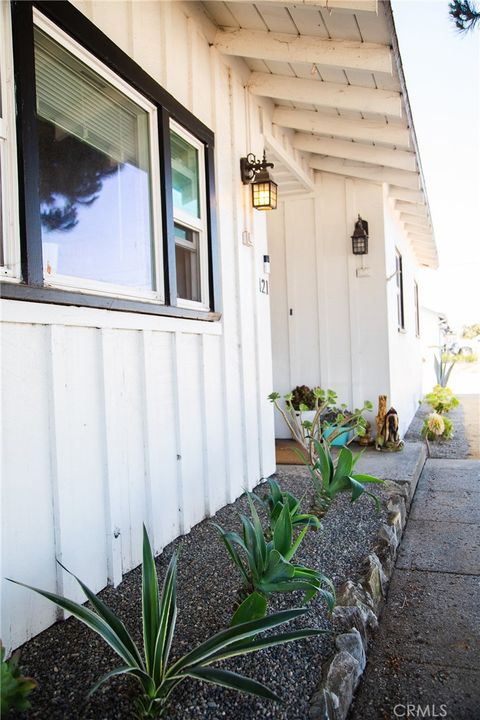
<point x="141" y="332"/>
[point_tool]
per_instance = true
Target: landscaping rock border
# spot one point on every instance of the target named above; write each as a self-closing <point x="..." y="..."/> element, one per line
<point x="358" y="609"/>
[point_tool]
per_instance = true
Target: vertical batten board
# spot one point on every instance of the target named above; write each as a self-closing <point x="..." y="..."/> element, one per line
<point x="178" y="77"/>
<point x="111" y="480"/>
<point x="356" y="358"/>
<point x="149" y="439"/>
<point x="28" y="545"/>
<point x="147" y="37"/>
<point x="322" y="302"/>
<point x="336" y="246"/>
<point x="279" y="311"/>
<point x="189" y="382"/>
<point x="245" y="299"/>
<point x="125" y="418"/>
<point x="302" y="291"/>
<point x="225" y="219"/>
<point x="200" y="75"/>
<point x="77" y="401"/>
<point x="115" y="20"/>
<point x="162" y="439"/>
<point x="181" y="489"/>
<point x="214" y="422"/>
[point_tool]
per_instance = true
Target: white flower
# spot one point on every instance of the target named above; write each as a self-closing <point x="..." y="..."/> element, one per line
<point x="436" y="424"/>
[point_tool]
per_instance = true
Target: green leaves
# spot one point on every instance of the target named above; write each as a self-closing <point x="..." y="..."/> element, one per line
<point x="266" y="566"/>
<point x="14" y="686"/>
<point x="156" y="677"/>
<point x="338" y="477"/>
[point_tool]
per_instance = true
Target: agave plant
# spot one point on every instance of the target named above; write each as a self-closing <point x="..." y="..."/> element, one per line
<point x="330" y="477"/>
<point x="273" y="504"/>
<point x="265" y="566"/>
<point x="152" y="669"/>
<point x="442" y="369"/>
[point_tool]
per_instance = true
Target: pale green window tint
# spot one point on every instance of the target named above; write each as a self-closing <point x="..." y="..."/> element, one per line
<point x="185" y="176"/>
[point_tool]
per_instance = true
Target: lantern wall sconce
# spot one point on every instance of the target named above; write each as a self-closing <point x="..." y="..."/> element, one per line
<point x="360" y="237"/>
<point x="255" y="173"/>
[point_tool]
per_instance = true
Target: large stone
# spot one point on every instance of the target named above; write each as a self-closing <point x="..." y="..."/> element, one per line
<point x="324" y="705"/>
<point x="374" y="580"/>
<point x="352" y="642"/>
<point x="354" y="617"/>
<point x="386" y="547"/>
<point x="342" y="678"/>
<point x="351" y="594"/>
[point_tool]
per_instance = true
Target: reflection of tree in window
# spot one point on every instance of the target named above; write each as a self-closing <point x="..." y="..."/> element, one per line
<point x="71" y="174"/>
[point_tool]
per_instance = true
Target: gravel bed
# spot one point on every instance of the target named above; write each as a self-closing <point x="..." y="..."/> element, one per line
<point x="458" y="447"/>
<point x="67" y="658"/>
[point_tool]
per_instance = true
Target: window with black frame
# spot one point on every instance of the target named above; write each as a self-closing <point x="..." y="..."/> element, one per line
<point x="399" y="282"/>
<point x="120" y="173"/>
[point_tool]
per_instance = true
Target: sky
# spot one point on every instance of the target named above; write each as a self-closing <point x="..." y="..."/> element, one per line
<point x="442" y="71"/>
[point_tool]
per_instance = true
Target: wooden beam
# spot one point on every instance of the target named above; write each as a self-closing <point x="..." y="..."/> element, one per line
<point x="402" y="193"/>
<point x="426" y="239"/>
<point x="363" y="172"/>
<point x="283" y="47"/>
<point x="278" y="152"/>
<point x="411" y="208"/>
<point x="398" y="159"/>
<point x="335" y="95"/>
<point x="350" y="5"/>
<point x="417" y="229"/>
<point x="367" y="130"/>
<point x="415" y="220"/>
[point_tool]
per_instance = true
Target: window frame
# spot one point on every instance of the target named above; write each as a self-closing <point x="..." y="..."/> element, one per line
<point x="10" y="270"/>
<point x="417" y="308"/>
<point x="399" y="291"/>
<point x="72" y="282"/>
<point x="84" y="33"/>
<point x="190" y="222"/>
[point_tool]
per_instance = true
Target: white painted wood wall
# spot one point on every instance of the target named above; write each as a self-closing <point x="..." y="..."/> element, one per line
<point x="330" y="327"/>
<point x="114" y="419"/>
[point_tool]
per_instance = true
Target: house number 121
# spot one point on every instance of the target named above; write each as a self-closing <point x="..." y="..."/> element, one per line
<point x="263" y="286"/>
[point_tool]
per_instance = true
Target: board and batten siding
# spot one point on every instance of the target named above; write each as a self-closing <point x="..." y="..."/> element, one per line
<point x="113" y="419"/>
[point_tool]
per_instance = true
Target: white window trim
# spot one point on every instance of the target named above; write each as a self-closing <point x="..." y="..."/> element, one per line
<point x="93" y="286"/>
<point x="197" y="224"/>
<point x="11" y="271"/>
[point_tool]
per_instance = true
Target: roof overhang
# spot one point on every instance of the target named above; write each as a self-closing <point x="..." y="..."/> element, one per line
<point x="332" y="70"/>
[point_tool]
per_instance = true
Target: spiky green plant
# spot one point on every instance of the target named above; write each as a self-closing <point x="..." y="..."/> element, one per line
<point x="265" y="566"/>
<point x="331" y="477"/>
<point x="152" y="669"/>
<point x="442" y="369"/>
<point x="274" y="502"/>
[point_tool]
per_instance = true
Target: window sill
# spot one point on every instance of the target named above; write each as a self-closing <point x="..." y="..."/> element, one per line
<point x="55" y="296"/>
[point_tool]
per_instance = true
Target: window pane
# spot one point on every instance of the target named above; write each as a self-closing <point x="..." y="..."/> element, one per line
<point x="186" y="195"/>
<point x="95" y="202"/>
<point x="188" y="265"/>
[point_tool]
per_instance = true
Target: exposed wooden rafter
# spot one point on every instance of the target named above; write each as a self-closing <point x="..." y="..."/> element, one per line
<point x="367" y="130"/>
<point x="403" y="193"/>
<point x="411" y="208"/>
<point x="283" y="47"/>
<point x="350" y="5"/>
<point x="372" y="173"/>
<point x="415" y="220"/>
<point x="398" y="159"/>
<point x="315" y="92"/>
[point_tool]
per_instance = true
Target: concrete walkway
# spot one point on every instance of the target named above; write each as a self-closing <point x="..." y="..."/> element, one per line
<point x="425" y="658"/>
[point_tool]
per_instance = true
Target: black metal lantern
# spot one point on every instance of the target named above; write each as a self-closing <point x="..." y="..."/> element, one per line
<point x="264" y="190"/>
<point x="360" y="237"/>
